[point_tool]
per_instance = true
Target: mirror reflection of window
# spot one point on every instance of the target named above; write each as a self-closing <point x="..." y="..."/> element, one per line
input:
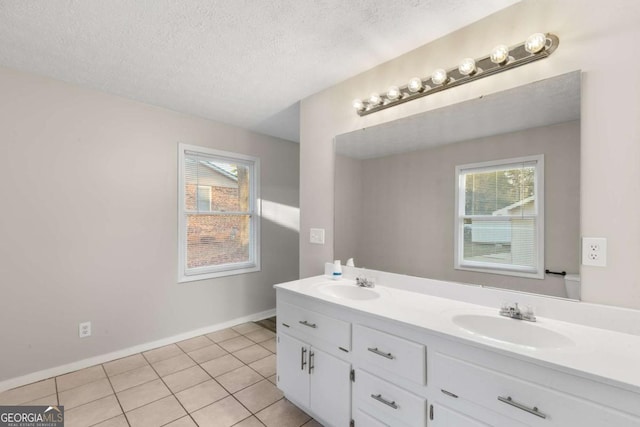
<point x="499" y="217"/>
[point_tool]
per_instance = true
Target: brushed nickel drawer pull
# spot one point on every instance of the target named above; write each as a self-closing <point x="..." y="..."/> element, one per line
<point x="381" y="399"/>
<point x="381" y="353"/>
<point x="305" y="323"/>
<point x="522" y="407"/>
<point x="448" y="393"/>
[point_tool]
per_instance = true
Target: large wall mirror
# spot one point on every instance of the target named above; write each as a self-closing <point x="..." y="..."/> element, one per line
<point x="492" y="174"/>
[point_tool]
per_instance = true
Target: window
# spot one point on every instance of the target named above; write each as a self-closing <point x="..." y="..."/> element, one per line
<point x="219" y="213"/>
<point x="500" y="217"/>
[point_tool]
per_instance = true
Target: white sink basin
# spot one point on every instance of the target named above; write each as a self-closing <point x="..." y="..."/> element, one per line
<point x="351" y="292"/>
<point x="507" y="330"/>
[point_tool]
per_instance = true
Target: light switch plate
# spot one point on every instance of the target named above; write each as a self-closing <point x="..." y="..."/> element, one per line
<point x="594" y="251"/>
<point x="316" y="236"/>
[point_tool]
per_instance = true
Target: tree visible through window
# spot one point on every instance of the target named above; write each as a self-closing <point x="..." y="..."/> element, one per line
<point x="500" y="217"/>
<point x="219" y="217"/>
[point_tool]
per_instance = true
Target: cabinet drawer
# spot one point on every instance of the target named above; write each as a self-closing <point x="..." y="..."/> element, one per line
<point x="400" y="357"/>
<point x="361" y="418"/>
<point x="520" y="400"/>
<point x="315" y="325"/>
<point x="388" y="402"/>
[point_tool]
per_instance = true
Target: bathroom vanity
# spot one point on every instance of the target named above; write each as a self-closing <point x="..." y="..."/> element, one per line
<point x="394" y="356"/>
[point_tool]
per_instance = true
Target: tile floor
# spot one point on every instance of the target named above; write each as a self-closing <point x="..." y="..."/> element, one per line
<point x="222" y="379"/>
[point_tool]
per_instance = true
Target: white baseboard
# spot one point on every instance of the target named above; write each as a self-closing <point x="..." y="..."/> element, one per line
<point x="103" y="358"/>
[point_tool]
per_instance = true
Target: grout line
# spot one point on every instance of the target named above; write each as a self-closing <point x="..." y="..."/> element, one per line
<point x="198" y="348"/>
<point x="103" y="421"/>
<point x="244" y="419"/>
<point x="173" y="394"/>
<point x="223" y="387"/>
<point x="55" y="384"/>
<point x="128" y="370"/>
<point x="116" y="396"/>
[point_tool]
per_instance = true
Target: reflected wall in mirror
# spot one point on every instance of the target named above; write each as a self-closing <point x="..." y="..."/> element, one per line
<point x="396" y="183"/>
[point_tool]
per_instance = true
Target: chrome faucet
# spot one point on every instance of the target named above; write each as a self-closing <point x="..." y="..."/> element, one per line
<point x="514" y="312"/>
<point x="363" y="282"/>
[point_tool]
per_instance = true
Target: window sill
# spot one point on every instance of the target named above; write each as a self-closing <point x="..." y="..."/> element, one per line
<point x="504" y="272"/>
<point x="216" y="274"/>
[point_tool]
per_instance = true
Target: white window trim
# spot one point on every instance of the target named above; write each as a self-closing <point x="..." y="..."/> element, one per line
<point x="210" y="272"/>
<point x="486" y="267"/>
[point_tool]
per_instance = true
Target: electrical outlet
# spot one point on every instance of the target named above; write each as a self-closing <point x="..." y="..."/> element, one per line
<point x="84" y="329"/>
<point x="594" y="251"/>
<point x="316" y="235"/>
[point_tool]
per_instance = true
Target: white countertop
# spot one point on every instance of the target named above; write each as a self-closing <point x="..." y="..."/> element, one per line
<point x="603" y="355"/>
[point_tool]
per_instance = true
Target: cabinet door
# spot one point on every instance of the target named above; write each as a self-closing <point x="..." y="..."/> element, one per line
<point x="445" y="417"/>
<point x="330" y="388"/>
<point x="293" y="368"/>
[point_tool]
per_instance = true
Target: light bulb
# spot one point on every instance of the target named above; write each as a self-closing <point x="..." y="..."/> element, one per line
<point x="439" y="76"/>
<point x="358" y="104"/>
<point x="467" y="67"/>
<point x="374" y="99"/>
<point x="414" y="85"/>
<point x="500" y="54"/>
<point x="393" y="93"/>
<point x="535" y="43"/>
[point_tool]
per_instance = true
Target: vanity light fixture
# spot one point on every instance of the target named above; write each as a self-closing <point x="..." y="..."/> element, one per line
<point x="500" y="54"/>
<point x="415" y="85"/>
<point x="439" y="77"/>
<point x="393" y="93"/>
<point x="467" y="67"/>
<point x="375" y="99"/>
<point x="502" y="58"/>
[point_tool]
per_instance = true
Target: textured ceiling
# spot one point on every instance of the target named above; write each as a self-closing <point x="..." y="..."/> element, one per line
<point x="242" y="62"/>
<point x="542" y="103"/>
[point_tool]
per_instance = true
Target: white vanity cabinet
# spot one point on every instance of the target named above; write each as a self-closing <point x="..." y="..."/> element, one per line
<point x="389" y="355"/>
<point x="314" y="379"/>
<point x="387" y="402"/>
<point x="307" y="373"/>
<point x="384" y="364"/>
<point x="352" y="366"/>
<point x="502" y="392"/>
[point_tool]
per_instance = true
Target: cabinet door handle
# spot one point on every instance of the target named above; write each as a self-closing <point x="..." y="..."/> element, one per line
<point x="380" y="353"/>
<point x="305" y="323"/>
<point x="381" y="399"/>
<point x="310" y="362"/>
<point x="509" y="401"/>
<point x="303" y="362"/>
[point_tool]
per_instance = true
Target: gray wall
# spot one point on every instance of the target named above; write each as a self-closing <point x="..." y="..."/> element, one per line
<point x="88" y="184"/>
<point x="403" y="220"/>
<point x="592" y="38"/>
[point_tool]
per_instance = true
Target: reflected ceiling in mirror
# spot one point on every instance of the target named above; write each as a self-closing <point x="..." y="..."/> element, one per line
<point x="543" y="103"/>
<point x="395" y="183"/>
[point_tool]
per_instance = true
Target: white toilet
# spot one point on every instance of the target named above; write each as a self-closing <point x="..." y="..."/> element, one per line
<point x="572" y="285"/>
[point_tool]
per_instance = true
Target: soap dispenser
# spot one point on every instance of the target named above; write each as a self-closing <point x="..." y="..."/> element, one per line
<point x="337" y="270"/>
